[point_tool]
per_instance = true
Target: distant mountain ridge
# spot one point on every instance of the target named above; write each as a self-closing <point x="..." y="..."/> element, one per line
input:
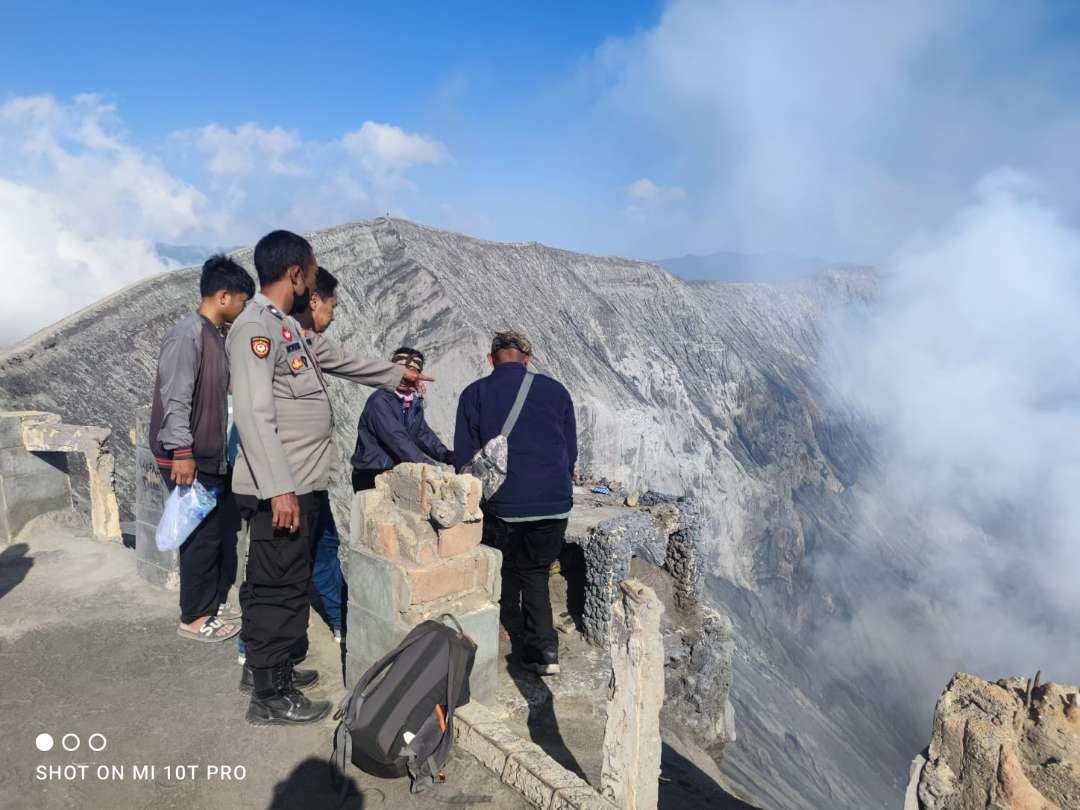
<point x="710" y="388"/>
<point x="769" y="267"/>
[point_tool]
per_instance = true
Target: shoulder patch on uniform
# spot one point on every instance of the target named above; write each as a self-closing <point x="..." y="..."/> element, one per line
<point x="275" y="312"/>
<point x="260" y="347"/>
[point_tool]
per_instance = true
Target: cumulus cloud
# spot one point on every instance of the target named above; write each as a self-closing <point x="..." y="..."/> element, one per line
<point x="645" y="190"/>
<point x="384" y="152"/>
<point x="82" y="207"/>
<point x="265" y="176"/>
<point x="246" y="149"/>
<point x="382" y="147"/>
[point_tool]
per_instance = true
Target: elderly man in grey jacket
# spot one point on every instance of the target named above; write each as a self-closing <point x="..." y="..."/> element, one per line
<point x="188" y="422"/>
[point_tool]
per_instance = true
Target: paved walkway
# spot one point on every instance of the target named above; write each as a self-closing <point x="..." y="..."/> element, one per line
<point x="87" y="648"/>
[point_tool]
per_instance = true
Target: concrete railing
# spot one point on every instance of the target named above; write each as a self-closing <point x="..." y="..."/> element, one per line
<point x="36" y="472"/>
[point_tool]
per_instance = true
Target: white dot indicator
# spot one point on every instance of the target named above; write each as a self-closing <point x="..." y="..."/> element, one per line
<point x="44" y="742"/>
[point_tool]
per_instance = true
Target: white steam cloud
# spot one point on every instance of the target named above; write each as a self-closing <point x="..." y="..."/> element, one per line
<point x="966" y="367"/>
<point x="79" y="209"/>
<point x="835" y="128"/>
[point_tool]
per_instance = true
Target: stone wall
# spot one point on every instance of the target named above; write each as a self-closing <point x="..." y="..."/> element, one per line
<point x="414" y="553"/>
<point x="35" y="472"/>
<point x="665" y="531"/>
<point x="659" y="539"/>
<point x="161" y="568"/>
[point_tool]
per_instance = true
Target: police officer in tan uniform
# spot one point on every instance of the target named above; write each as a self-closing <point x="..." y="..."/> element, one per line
<point x="283" y="416"/>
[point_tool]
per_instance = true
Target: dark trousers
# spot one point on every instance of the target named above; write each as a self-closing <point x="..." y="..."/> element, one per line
<point x="364" y="479"/>
<point x="528" y="548"/>
<point x="274" y="596"/>
<point x="208" y="556"/>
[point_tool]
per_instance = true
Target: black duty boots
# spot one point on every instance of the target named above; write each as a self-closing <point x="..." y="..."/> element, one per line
<point x="301" y="678"/>
<point x="275" y="700"/>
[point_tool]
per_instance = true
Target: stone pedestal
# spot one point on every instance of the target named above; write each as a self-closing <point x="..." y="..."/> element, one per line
<point x="414" y="553"/>
<point x="160" y="568"/>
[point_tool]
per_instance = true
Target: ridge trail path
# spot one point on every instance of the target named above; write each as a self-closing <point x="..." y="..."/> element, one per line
<point x="87" y="647"/>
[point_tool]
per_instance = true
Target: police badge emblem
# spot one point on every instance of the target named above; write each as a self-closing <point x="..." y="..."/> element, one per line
<point x="260" y="347"/>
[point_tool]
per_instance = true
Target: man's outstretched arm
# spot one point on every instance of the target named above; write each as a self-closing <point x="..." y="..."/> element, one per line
<point x="339" y="361"/>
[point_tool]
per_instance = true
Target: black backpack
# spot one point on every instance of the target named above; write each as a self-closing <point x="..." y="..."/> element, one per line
<point x="399" y="716"/>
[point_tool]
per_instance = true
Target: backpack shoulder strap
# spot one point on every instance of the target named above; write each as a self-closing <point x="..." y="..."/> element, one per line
<point x="519" y="403"/>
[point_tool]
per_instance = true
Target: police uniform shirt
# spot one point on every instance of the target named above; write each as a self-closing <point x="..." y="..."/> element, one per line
<point x="280" y="403"/>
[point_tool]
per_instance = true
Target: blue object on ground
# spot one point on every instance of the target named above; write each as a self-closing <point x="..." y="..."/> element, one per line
<point x="601" y="490"/>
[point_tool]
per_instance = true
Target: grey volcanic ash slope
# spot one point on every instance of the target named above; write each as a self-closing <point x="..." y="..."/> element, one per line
<point x="703" y="388"/>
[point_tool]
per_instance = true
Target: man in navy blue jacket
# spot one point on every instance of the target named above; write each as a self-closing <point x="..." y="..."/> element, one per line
<point x="526" y="518"/>
<point x="393" y="430"/>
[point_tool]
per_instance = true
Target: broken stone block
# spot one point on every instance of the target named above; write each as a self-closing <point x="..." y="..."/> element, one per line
<point x="414" y="553"/>
<point x="446" y="577"/>
<point x="408" y="487"/>
<point x="460" y="538"/>
<point x="1008" y="744"/>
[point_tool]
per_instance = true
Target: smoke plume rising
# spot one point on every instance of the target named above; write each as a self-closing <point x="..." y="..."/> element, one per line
<point x="965" y="369"/>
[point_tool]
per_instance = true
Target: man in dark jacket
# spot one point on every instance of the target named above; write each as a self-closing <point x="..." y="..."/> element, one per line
<point x="393" y="430"/>
<point x="188" y="423"/>
<point x="526" y="518"/>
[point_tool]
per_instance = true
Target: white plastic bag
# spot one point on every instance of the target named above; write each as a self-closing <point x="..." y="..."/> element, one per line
<point x="185" y="508"/>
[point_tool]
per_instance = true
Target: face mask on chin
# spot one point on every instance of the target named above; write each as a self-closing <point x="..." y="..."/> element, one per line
<point x="300" y="303"/>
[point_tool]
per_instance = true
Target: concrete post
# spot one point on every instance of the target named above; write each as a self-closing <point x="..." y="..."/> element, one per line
<point x="631" y="770"/>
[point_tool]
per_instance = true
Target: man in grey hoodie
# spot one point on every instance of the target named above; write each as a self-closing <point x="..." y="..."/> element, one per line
<point x="188" y="423"/>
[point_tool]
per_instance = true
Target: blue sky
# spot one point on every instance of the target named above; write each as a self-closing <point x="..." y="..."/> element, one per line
<point x="647" y="129"/>
<point x="317" y="69"/>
